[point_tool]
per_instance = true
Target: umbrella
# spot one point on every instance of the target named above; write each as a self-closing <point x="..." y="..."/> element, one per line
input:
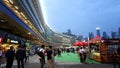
<point x="80" y="43"/>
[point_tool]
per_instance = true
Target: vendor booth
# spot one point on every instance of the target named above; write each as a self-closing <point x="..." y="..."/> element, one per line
<point x="105" y="50"/>
<point x="108" y="50"/>
<point x="95" y="44"/>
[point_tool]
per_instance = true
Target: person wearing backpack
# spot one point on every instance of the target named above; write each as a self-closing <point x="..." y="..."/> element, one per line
<point x="41" y="55"/>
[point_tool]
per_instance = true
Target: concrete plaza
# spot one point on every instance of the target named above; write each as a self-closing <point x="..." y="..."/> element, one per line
<point x="34" y="63"/>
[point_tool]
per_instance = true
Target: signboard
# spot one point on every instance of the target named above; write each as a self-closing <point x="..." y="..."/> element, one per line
<point x="8" y="40"/>
<point x="14" y="41"/>
<point x="27" y="43"/>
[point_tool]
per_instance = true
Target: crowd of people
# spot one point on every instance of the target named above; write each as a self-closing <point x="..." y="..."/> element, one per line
<point x="83" y="54"/>
<point x="50" y="56"/>
<point x="22" y="55"/>
<point x="51" y="52"/>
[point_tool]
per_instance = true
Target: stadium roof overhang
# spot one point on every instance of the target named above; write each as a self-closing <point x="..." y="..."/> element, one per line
<point x="11" y="23"/>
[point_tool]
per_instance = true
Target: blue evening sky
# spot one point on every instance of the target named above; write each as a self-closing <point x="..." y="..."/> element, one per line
<point x="82" y="16"/>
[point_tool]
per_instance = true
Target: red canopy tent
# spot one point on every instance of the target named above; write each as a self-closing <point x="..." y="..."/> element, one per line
<point x="80" y="43"/>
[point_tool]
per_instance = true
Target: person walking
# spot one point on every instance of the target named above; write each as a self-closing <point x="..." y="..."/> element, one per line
<point x="59" y="52"/>
<point x="20" y="55"/>
<point x="27" y="55"/>
<point x="10" y="57"/>
<point x="68" y="51"/>
<point x="41" y="55"/>
<point x="0" y="56"/>
<point x="50" y="57"/>
<point x="82" y="54"/>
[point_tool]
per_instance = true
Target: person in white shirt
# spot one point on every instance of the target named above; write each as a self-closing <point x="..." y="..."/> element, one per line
<point x="82" y="54"/>
<point x="41" y="55"/>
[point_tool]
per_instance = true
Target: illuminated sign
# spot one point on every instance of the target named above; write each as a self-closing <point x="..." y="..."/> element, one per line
<point x="1" y="39"/>
<point x="8" y="40"/>
<point x="27" y="43"/>
<point x="13" y="41"/>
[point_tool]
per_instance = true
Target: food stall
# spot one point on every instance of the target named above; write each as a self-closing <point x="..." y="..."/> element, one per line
<point x="108" y="50"/>
<point x="95" y="48"/>
<point x="105" y="51"/>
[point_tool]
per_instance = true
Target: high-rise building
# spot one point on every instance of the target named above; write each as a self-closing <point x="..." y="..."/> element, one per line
<point x="105" y="35"/>
<point x="69" y="32"/>
<point x="119" y="32"/>
<point x="73" y="36"/>
<point x="98" y="31"/>
<point x="80" y="37"/>
<point x="114" y="34"/>
<point x="91" y="35"/>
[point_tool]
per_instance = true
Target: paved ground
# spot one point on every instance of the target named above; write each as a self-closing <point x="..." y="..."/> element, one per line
<point x="34" y="63"/>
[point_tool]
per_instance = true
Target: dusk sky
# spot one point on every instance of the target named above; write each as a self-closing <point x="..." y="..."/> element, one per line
<point x="82" y="16"/>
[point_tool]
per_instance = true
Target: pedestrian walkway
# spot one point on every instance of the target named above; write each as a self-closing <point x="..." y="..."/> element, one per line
<point x="34" y="63"/>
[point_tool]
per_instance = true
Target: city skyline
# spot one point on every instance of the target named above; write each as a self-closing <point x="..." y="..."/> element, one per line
<point x="82" y="16"/>
<point x="113" y="34"/>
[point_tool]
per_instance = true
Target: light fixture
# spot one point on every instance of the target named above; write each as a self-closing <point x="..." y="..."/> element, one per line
<point x="11" y="1"/>
<point x="29" y="33"/>
<point x="16" y="11"/>
<point x="7" y="1"/>
<point x="16" y="7"/>
<point x="23" y="15"/>
<point x="26" y="22"/>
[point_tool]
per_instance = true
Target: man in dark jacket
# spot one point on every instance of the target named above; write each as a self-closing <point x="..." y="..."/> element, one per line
<point x="10" y="57"/>
<point x="20" y="55"/>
